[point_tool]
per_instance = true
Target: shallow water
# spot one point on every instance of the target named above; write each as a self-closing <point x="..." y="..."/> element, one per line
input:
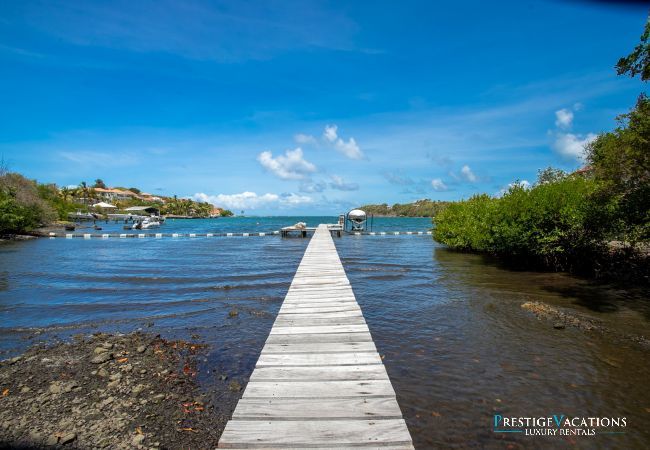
<point x="457" y="344"/>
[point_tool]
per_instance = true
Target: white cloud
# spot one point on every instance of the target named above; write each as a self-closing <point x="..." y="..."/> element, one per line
<point x="572" y="146"/>
<point x="304" y="139"/>
<point x="292" y="199"/>
<point x="564" y="119"/>
<point x="349" y="148"/>
<point x="340" y="184"/>
<point x="438" y="185"/>
<point x="250" y="200"/>
<point x="467" y="174"/>
<point x="331" y="133"/>
<point x="291" y="166"/>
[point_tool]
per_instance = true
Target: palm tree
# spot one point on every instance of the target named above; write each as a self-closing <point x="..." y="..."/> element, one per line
<point x="83" y="187"/>
<point x="65" y="193"/>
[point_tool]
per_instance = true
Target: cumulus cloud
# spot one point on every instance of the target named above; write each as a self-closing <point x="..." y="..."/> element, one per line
<point x="331" y="133"/>
<point x="290" y="166"/>
<point x="564" y="118"/>
<point x="304" y="139"/>
<point x="349" y="148"/>
<point x="340" y="184"/>
<point x="250" y="200"/>
<point x="569" y="145"/>
<point x="572" y="146"/>
<point x="467" y="174"/>
<point x="292" y="199"/>
<point x="438" y="185"/>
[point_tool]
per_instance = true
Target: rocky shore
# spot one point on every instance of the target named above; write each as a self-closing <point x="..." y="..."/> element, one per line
<point x="106" y="391"/>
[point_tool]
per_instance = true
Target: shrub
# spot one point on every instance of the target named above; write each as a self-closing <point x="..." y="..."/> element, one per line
<point x="554" y="223"/>
<point x="21" y="207"/>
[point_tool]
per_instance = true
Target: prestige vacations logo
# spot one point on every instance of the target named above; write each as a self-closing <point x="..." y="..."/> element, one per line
<point x="559" y="425"/>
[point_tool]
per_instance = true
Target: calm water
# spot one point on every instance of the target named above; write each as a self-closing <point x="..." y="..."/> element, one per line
<point x="457" y="344"/>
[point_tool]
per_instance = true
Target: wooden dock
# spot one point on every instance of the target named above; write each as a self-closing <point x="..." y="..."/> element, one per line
<point x="334" y="229"/>
<point x="319" y="382"/>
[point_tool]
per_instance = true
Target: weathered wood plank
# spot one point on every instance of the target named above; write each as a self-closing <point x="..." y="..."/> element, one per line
<point x="297" y="314"/>
<point x="317" y="359"/>
<point x="317" y="408"/>
<point x="320" y="389"/>
<point x="286" y="321"/>
<point x="316" y="337"/>
<point x="324" y="373"/>
<point x="309" y="432"/>
<point x="320" y="329"/>
<point x="320" y="347"/>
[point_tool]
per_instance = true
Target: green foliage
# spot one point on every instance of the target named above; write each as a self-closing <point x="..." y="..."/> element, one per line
<point x="21" y="207"/>
<point x="555" y="223"/>
<point x="621" y="164"/>
<point x="226" y="213"/>
<point x="186" y="207"/>
<point x="419" y="208"/>
<point x="466" y="225"/>
<point x="99" y="183"/>
<point x="637" y="62"/>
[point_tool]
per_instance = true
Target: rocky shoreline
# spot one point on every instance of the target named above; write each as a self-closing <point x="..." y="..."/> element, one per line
<point x="107" y="391"/>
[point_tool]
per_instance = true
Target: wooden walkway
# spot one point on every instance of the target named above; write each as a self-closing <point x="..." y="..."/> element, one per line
<point x="319" y="382"/>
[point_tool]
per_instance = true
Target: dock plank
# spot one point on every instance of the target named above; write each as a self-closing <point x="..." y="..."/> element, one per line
<point x="323" y="373"/>
<point x="306" y="433"/>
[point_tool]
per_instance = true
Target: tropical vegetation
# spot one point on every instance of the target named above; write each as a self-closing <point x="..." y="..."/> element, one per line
<point x="596" y="219"/>
<point x="419" y="208"/>
<point x="27" y="204"/>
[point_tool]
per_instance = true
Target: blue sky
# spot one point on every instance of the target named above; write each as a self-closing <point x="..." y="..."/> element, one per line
<point x="309" y="107"/>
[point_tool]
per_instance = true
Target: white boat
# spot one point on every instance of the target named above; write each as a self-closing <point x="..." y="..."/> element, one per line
<point x="146" y="223"/>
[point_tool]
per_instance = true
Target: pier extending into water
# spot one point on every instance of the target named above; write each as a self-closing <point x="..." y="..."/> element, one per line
<point x="319" y="381"/>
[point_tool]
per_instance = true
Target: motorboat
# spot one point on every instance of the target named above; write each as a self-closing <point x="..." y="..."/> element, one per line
<point x="146" y="223"/>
